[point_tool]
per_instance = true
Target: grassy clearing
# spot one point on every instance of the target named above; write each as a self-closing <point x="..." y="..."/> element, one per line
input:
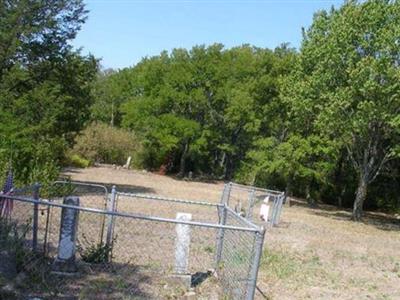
<point x="320" y="254"/>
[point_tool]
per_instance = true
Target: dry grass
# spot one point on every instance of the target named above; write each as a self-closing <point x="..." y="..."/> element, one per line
<point x="313" y="254"/>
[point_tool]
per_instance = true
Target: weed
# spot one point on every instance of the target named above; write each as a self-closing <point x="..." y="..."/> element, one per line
<point x="209" y="249"/>
<point x="96" y="254"/>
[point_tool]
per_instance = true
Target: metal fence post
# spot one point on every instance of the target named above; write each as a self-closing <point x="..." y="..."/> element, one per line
<point x="275" y="208"/>
<point x="222" y="221"/>
<point x="220" y="237"/>
<point x="251" y="204"/>
<point x="36" y="191"/>
<point x="110" y="224"/>
<point x="279" y="210"/>
<point x="226" y="193"/>
<point x="258" y="248"/>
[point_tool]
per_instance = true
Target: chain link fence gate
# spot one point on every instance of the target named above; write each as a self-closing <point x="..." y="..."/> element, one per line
<point x="144" y="231"/>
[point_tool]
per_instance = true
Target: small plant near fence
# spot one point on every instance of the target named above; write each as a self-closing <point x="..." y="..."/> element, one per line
<point x="99" y="253"/>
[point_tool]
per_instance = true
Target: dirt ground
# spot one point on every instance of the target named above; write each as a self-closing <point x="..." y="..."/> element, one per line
<point x="313" y="254"/>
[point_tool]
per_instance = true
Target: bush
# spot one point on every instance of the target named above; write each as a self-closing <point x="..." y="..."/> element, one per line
<point x="102" y="143"/>
<point x="76" y="161"/>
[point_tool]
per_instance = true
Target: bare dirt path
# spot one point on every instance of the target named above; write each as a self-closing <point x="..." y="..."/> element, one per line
<point x="313" y="254"/>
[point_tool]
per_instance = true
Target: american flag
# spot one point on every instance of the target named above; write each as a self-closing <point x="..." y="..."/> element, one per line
<point x="6" y="205"/>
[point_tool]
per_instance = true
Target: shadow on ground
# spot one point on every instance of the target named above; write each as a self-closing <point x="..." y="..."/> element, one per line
<point x="135" y="189"/>
<point x="381" y="221"/>
<point x="114" y="281"/>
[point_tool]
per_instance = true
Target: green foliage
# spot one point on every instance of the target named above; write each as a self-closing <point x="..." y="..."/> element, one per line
<point x="76" y="161"/>
<point x="346" y="89"/>
<point x="44" y="85"/>
<point x="199" y="110"/>
<point x="105" y="144"/>
<point x="96" y="254"/>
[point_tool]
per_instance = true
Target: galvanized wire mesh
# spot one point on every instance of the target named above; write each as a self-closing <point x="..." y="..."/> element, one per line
<point x="93" y="226"/>
<point x="162" y="206"/>
<point x="143" y="240"/>
<point x="237" y="258"/>
<point x="247" y="201"/>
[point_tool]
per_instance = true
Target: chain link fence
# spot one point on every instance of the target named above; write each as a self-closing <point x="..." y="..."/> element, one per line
<point x="131" y="245"/>
<point x="247" y="201"/>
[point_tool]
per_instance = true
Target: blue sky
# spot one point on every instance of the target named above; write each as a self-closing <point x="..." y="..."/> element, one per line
<point x="121" y="32"/>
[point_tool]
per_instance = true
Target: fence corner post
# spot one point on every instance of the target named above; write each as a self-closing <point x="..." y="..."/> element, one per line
<point x="279" y="210"/>
<point x="258" y="248"/>
<point x="222" y="221"/>
<point x="111" y="205"/>
<point x="35" y="221"/>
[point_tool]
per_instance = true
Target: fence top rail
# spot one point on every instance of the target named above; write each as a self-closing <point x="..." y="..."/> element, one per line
<point x="48" y="202"/>
<point x="25" y="188"/>
<point x="251" y="188"/>
<point x="82" y="184"/>
<point x="243" y="220"/>
<point x="169" y="199"/>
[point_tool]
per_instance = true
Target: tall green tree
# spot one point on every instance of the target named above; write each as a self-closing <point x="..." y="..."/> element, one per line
<point x="349" y="82"/>
<point x="44" y="84"/>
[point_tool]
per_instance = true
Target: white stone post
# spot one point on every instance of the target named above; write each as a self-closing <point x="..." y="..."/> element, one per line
<point x="182" y="244"/>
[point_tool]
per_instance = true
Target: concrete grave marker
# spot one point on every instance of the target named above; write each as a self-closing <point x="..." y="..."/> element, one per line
<point x="182" y="248"/>
<point x="182" y="244"/>
<point x="65" y="261"/>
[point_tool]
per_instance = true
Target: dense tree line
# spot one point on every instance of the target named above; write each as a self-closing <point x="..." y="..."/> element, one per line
<point x="322" y="122"/>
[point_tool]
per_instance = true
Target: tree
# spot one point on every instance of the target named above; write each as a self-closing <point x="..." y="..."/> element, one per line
<point x="110" y="90"/>
<point x="44" y="84"/>
<point x="349" y="74"/>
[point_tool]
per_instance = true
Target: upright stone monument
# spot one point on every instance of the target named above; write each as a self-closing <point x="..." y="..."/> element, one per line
<point x="182" y="248"/>
<point x="65" y="261"/>
<point x="128" y="162"/>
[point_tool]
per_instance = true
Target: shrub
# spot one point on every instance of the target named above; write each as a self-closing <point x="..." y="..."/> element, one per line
<point x="76" y="161"/>
<point x="105" y="144"/>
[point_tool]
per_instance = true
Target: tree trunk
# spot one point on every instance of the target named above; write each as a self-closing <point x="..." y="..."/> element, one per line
<point x="288" y="190"/>
<point x="361" y="194"/>
<point x="182" y="163"/>
<point x="112" y="115"/>
<point x="310" y="200"/>
<point x="341" y="195"/>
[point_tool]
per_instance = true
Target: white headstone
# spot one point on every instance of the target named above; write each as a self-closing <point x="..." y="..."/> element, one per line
<point x="264" y="210"/>
<point x="182" y="244"/>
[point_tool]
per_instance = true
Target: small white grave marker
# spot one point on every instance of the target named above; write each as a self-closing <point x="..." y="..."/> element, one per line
<point x="264" y="210"/>
<point x="128" y="163"/>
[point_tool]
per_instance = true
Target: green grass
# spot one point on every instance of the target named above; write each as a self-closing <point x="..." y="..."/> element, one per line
<point x="280" y="264"/>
